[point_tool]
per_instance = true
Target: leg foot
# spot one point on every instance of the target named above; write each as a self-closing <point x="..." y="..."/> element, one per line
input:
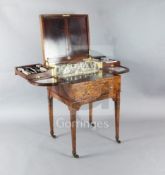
<point x="117" y="140"/>
<point x="52" y="134"/>
<point x="75" y="155"/>
<point x="92" y="124"/>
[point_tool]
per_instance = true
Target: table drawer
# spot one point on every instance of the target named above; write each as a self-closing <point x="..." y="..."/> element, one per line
<point x="91" y="91"/>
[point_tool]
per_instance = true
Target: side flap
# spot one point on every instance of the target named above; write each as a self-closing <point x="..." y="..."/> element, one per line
<point x="116" y="70"/>
<point x="36" y="74"/>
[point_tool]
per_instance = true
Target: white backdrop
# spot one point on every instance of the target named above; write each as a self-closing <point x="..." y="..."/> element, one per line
<point x="131" y="31"/>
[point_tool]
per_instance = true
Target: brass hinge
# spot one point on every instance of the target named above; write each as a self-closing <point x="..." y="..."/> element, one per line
<point x="66" y="15"/>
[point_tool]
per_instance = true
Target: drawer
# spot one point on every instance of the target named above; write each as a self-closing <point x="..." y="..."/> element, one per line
<point x="89" y="91"/>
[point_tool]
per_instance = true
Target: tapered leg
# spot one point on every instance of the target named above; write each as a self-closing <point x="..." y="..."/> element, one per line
<point x="90" y="114"/>
<point x="73" y="131"/>
<point x="50" y="106"/>
<point x="117" y="118"/>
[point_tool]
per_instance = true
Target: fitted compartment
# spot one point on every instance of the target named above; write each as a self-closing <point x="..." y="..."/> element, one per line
<point x="33" y="71"/>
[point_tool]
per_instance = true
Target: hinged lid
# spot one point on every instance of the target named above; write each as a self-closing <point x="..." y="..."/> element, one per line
<point x="65" y="37"/>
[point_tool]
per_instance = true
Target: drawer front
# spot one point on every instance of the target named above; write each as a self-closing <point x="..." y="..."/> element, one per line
<point x="91" y="91"/>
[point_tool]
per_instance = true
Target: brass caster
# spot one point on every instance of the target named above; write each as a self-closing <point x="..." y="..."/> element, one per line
<point x="92" y="124"/>
<point x="117" y="140"/>
<point x="52" y="134"/>
<point x="75" y="155"/>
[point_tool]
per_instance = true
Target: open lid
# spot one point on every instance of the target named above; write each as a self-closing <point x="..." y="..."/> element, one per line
<point x="65" y="38"/>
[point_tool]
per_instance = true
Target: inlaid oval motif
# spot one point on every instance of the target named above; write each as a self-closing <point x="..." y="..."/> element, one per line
<point x="86" y="92"/>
